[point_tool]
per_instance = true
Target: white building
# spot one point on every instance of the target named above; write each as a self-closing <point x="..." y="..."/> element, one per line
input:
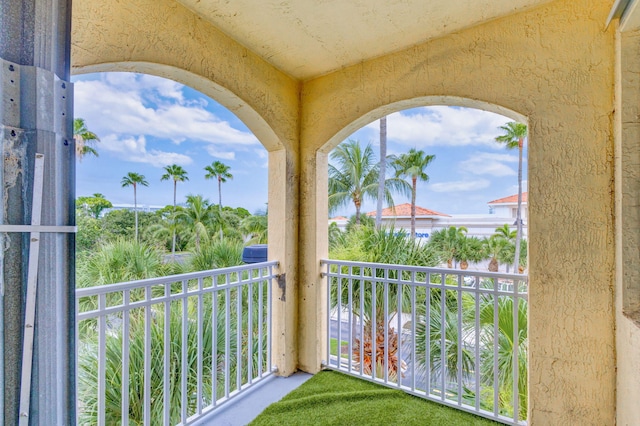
<point x="141" y="207"/>
<point x="501" y="212"/>
<point x="508" y="206"/>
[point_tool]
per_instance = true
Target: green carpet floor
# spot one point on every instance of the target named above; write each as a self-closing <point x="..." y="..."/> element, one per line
<point x="331" y="398"/>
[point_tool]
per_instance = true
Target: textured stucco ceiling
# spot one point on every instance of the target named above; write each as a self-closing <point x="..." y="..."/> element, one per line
<point x="307" y="38"/>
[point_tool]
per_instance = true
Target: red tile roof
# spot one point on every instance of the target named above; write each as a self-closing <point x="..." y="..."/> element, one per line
<point x="405" y="210"/>
<point x="338" y="218"/>
<point x="510" y="199"/>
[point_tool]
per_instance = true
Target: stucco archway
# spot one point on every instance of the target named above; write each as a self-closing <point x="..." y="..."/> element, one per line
<point x="251" y="118"/>
<point x="264" y="98"/>
<point x="565" y="91"/>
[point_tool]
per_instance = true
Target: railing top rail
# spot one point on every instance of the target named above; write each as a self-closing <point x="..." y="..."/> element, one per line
<point x="130" y="285"/>
<point x="425" y="269"/>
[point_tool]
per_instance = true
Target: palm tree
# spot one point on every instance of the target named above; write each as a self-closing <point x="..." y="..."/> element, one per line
<point x="448" y="242"/>
<point x="471" y="250"/>
<point x="134" y="179"/>
<point x="84" y="138"/>
<point x="383" y="170"/>
<point x="413" y="165"/>
<point x="197" y="215"/>
<point x="220" y="171"/>
<point x="442" y="359"/>
<point x="495" y="248"/>
<point x="513" y="137"/>
<point x="509" y="339"/>
<point x="505" y="232"/>
<point x="177" y="174"/>
<point x="356" y="177"/>
<point x="255" y="227"/>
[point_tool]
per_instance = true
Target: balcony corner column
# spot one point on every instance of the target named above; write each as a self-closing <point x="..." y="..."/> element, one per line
<point x="36" y="116"/>
<point x="283" y="247"/>
<point x="314" y="246"/>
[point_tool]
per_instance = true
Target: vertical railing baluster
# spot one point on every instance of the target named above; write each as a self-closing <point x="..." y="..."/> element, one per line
<point x="269" y="307"/>
<point x="125" y="358"/>
<point x="399" y="290"/>
<point x="328" y="313"/>
<point x="238" y="337"/>
<point x="185" y="338"/>
<point x="199" y="331"/>
<point x="496" y="337"/>
<point x="413" y="333"/>
<point x="350" y="322"/>
<point x="385" y="322"/>
<point x="361" y="319"/>
<point x="260" y="325"/>
<point x="214" y="341"/>
<point x="460" y="341"/>
<point x="147" y="356"/>
<point x="339" y="318"/>
<point x="227" y="336"/>
<point x="516" y="348"/>
<point x="443" y="332"/>
<point x="476" y="367"/>
<point x="427" y="333"/>
<point x="374" y="322"/>
<point x="167" y="355"/>
<point x="102" y="359"/>
<point x="250" y="335"/>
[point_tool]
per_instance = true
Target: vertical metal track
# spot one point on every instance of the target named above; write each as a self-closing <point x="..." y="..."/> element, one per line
<point x="32" y="285"/>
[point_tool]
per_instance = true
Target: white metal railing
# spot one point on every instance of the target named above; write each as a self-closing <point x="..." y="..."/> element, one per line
<point x="432" y="333"/>
<point x="169" y="350"/>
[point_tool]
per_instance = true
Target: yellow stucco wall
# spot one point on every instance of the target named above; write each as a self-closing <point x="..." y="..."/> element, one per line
<point x="552" y="65"/>
<point x="163" y="38"/>
<point x="628" y="228"/>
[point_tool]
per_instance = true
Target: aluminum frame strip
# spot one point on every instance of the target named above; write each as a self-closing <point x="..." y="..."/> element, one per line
<point x="39" y="228"/>
<point x="32" y="286"/>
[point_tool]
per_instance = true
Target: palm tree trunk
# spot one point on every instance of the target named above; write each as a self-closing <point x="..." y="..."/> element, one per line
<point x="357" y="204"/>
<point x="219" y="193"/>
<point x="516" y="261"/>
<point x="382" y="171"/>
<point x="413" y="208"/>
<point x="173" y="242"/>
<point x="493" y="265"/>
<point x="135" y="208"/>
<point x="220" y="204"/>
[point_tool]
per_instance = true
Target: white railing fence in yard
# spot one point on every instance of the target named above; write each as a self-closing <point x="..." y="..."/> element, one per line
<point x="169" y="350"/>
<point x="451" y="336"/>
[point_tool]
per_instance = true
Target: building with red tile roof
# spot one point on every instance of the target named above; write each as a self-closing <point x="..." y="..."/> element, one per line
<point x="502" y="211"/>
<point x="404" y="210"/>
<point x="510" y="199"/>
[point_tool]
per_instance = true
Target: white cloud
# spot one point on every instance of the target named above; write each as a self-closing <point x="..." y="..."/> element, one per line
<point x="484" y="163"/>
<point x="224" y="155"/>
<point x="130" y="104"/>
<point x="135" y="150"/>
<point x="443" y="126"/>
<point x="460" y="186"/>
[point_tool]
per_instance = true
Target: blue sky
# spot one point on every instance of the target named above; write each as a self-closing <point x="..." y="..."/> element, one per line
<point x="146" y="122"/>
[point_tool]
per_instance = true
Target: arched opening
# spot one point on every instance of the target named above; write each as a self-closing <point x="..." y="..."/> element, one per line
<point x="148" y="126"/>
<point x="154" y="122"/>
<point x="474" y="240"/>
